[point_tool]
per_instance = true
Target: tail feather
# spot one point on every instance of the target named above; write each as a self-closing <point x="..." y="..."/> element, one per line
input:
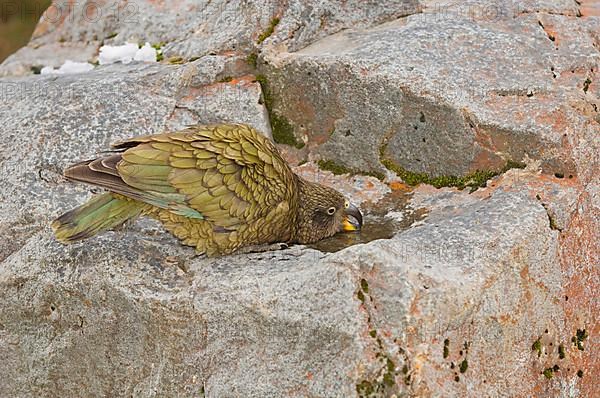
<point x="101" y="213"/>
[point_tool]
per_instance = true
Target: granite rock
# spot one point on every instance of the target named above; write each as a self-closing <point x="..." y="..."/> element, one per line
<point x="488" y="293"/>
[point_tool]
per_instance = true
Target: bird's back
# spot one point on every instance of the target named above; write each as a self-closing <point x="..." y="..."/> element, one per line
<point x="217" y="187"/>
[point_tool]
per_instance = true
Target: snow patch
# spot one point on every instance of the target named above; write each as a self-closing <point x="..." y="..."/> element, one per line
<point x="69" y="67"/>
<point x="146" y="54"/>
<point x="127" y="53"/>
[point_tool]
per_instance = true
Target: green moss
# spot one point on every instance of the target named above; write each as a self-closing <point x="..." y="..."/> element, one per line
<point x="159" y="53"/>
<point x="267" y="33"/>
<point x="548" y="373"/>
<point x="360" y="296"/>
<point x="252" y="60"/>
<point x="376" y="174"/>
<point x="283" y="131"/>
<point x="586" y="85"/>
<point x="537" y="346"/>
<point x="225" y="79"/>
<point x="579" y="338"/>
<point x="464" y="365"/>
<point x="388" y="377"/>
<point x="561" y="351"/>
<point x="194" y="59"/>
<point x="365" y="388"/>
<point x="373" y="333"/>
<point x="582" y="334"/>
<point x="364" y="285"/>
<point x="335" y="168"/>
<point x="446" y="348"/>
<point x="472" y="180"/>
<point x="339" y="169"/>
<point x="176" y="60"/>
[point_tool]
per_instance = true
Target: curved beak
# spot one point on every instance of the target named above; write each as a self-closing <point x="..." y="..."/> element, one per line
<point x="353" y="219"/>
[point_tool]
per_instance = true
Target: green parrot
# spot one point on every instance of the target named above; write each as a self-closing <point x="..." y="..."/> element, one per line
<point x="218" y="188"/>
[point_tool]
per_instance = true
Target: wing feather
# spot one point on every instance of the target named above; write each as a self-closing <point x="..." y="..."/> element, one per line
<point x="228" y="174"/>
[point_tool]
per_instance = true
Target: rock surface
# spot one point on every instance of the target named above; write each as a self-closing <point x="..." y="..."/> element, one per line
<point x="489" y="293"/>
<point x="397" y="92"/>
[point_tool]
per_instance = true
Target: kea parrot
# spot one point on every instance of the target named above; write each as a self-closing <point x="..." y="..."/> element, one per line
<point x="218" y="188"/>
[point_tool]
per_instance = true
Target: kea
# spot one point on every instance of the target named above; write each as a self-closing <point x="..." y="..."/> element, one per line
<point x="219" y="188"/>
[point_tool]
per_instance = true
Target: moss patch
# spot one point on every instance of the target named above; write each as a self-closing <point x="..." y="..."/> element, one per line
<point x="252" y="60"/>
<point x="332" y="166"/>
<point x="579" y="338"/>
<point x="176" y="60"/>
<point x="383" y="384"/>
<point x="269" y="31"/>
<point x="365" y="389"/>
<point x="586" y="85"/>
<point x="464" y="365"/>
<point x="283" y="131"/>
<point x="548" y="373"/>
<point x="537" y="347"/>
<point x="474" y="180"/>
<point x="225" y="79"/>
<point x="159" y="53"/>
<point x="361" y="296"/>
<point x="446" y="348"/>
<point x="364" y="285"/>
<point x="338" y="169"/>
<point x="561" y="351"/>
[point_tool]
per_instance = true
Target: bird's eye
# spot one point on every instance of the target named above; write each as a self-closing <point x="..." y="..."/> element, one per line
<point x="346" y="204"/>
<point x="331" y="210"/>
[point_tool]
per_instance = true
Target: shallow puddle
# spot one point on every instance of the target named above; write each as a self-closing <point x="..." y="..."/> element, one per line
<point x="382" y="220"/>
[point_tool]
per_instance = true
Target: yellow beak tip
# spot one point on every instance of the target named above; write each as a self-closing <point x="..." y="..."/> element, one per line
<point x="347" y="226"/>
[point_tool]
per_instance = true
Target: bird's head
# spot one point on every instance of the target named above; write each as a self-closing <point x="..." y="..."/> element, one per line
<point x="323" y="212"/>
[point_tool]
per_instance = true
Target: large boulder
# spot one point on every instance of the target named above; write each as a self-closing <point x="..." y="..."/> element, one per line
<point x="486" y="92"/>
<point x="194" y="28"/>
<point x="444" y="293"/>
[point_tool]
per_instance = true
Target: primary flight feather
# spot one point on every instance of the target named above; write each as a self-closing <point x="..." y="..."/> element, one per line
<point x="218" y="188"/>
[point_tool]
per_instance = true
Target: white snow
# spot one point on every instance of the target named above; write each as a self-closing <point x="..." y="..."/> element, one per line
<point x="126" y="53"/>
<point x="69" y="67"/>
<point x="112" y="54"/>
<point x="108" y="55"/>
<point x="146" y="54"/>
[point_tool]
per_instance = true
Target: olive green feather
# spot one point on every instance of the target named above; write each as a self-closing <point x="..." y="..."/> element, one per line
<point x="102" y="212"/>
<point x="218" y="187"/>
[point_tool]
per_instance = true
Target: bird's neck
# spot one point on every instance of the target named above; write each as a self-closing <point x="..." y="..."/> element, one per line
<point x="306" y="201"/>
